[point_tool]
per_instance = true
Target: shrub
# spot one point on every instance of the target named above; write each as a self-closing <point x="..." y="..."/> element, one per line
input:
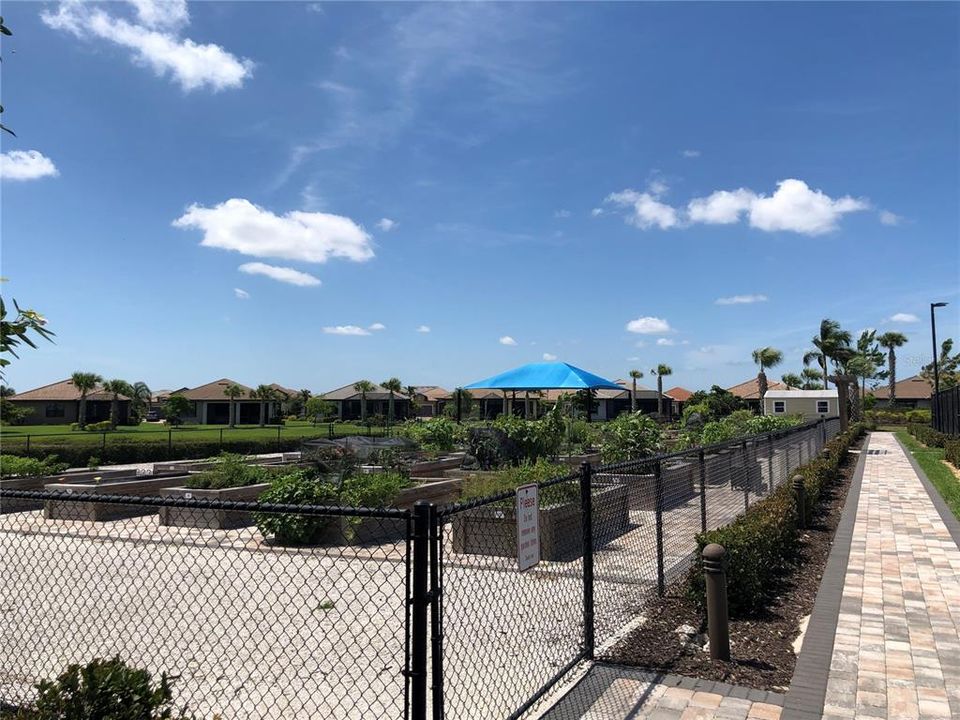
<point x="524" y="474"/>
<point x="951" y="452"/>
<point x="231" y="471"/>
<point x="297" y="488"/>
<point x="439" y="434"/>
<point x="760" y="544"/>
<point x="372" y="490"/>
<point x="628" y="437"/>
<point x="103" y="689"/>
<point x="14" y="465"/>
<point x="928" y="436"/>
<point x="919" y="416"/>
<point x="99" y="426"/>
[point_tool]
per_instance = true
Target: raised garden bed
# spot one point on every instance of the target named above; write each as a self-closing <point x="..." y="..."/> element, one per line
<point x="574" y="461"/>
<point x="678" y="486"/>
<point x="208" y="518"/>
<point x="436" y="468"/>
<point x="492" y="529"/>
<point x="91" y="510"/>
<point x="40" y="482"/>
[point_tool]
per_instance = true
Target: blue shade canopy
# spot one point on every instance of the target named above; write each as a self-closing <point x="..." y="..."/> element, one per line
<point x="544" y="376"/>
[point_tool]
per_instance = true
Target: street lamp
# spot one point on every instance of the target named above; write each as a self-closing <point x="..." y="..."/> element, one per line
<point x="936" y="369"/>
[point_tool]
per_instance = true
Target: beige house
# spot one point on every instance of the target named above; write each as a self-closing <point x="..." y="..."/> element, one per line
<point x="59" y="404"/>
<point x="811" y="404"/>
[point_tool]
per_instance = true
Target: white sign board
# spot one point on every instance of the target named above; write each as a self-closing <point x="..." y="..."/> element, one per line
<point x="528" y="527"/>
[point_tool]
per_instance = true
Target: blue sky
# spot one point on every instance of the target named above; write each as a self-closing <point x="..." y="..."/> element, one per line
<point x="314" y="193"/>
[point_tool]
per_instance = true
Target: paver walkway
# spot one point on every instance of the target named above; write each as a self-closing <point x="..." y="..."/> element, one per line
<point x="897" y="647"/>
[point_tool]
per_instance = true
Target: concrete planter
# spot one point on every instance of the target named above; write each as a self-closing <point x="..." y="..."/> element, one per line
<point x="492" y="529"/>
<point x="209" y="519"/>
<point x="8" y="505"/>
<point x="91" y="510"/>
<point x="436" y="468"/>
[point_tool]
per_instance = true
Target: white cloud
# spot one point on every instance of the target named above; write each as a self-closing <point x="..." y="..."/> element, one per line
<point x="377" y="326"/>
<point x="904" y="318"/>
<point x="889" y="218"/>
<point x="345" y="330"/>
<point x="281" y="274"/>
<point x="549" y="357"/>
<point x="723" y="207"/>
<point x="649" y="326"/>
<point x="665" y="342"/>
<point x="740" y="300"/>
<point x="561" y="213"/>
<point x="241" y="294"/>
<point x="26" y="165"/>
<point x="597" y="212"/>
<point x="690" y="153"/>
<point x="507" y="340"/>
<point x="239" y="225"/>
<point x="386" y="224"/>
<point x="645" y="209"/>
<point x="423" y="329"/>
<point x="797" y="208"/>
<point x="153" y="38"/>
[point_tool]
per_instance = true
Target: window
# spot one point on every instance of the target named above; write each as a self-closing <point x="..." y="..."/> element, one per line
<point x="779" y="406"/>
<point x="823" y="407"/>
<point x="54" y="410"/>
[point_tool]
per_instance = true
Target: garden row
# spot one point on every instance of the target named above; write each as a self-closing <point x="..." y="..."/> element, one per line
<point x="761" y="544"/>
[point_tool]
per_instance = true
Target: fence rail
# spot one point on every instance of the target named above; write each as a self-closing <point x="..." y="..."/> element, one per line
<point x="276" y="611"/>
<point x="945" y="407"/>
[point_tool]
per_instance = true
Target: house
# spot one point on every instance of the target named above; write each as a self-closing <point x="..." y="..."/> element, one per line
<point x="679" y="395"/>
<point x="347" y="401"/>
<point x="429" y="400"/>
<point x="811" y="404"/>
<point x="286" y="397"/>
<point x="59" y="404"/>
<point x="912" y="393"/>
<point x="749" y="392"/>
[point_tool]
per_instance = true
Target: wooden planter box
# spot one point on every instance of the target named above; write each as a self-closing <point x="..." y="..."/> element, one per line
<point x="69" y="478"/>
<point x="678" y="486"/>
<point x="439" y="491"/>
<point x="91" y="510"/>
<point x="436" y="468"/>
<point x="210" y="519"/>
<point x="8" y="505"/>
<point x="574" y="461"/>
<point x="492" y="529"/>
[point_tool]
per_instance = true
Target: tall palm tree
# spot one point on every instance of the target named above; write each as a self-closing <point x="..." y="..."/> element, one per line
<point x="811" y="379"/>
<point x="363" y="387"/>
<point x="303" y="396"/>
<point x="792" y="380"/>
<point x="393" y="385"/>
<point x="827" y="343"/>
<point x="634" y="375"/>
<point x="891" y="341"/>
<point x="233" y="391"/>
<point x="84" y="382"/>
<point x="765" y="357"/>
<point x="660" y="371"/>
<point x="116" y="388"/>
<point x="263" y="393"/>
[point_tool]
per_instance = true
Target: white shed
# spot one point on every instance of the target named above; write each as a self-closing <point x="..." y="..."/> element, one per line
<point x="811" y="404"/>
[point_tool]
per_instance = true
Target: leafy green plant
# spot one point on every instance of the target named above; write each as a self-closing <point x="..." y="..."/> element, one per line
<point x="951" y="452"/>
<point x="526" y="473"/>
<point x="231" y="471"/>
<point x="297" y="488"/>
<point x="372" y="490"/>
<point x="438" y="434"/>
<point x="928" y="436"/>
<point x="16" y="466"/>
<point x="629" y="436"/>
<point x="101" y="426"/>
<point x="103" y="690"/>
<point x="918" y="416"/>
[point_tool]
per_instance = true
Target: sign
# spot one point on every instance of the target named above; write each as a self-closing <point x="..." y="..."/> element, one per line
<point x="528" y="527"/>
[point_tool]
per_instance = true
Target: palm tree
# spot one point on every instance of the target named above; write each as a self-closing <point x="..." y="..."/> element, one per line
<point x="393" y="385"/>
<point x="116" y="388"/>
<point x="811" y="379"/>
<point x="303" y="396"/>
<point x="263" y="393"/>
<point x="411" y="392"/>
<point x="363" y="387"/>
<point x="792" y="380"/>
<point x="660" y="371"/>
<point x="891" y="341"/>
<point x="827" y="343"/>
<point x="84" y="382"/>
<point x="233" y="391"/>
<point x="765" y="357"/>
<point x="140" y="395"/>
<point x="634" y="375"/>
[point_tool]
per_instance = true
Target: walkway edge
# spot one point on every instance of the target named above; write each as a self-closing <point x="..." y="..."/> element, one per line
<point x="808" y="688"/>
<point x="949" y="519"/>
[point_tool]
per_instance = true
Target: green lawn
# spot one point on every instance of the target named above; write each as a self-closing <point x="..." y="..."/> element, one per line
<point x="44" y="435"/>
<point x="933" y="464"/>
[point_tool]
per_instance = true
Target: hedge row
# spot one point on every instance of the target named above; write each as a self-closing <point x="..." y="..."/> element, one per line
<point x="122" y="451"/>
<point x="762" y="543"/>
<point x="951" y="452"/>
<point x="928" y="436"/>
<point x="898" y="417"/>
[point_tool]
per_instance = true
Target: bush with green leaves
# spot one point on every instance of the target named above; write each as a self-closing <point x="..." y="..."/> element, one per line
<point x="951" y="452"/>
<point x="527" y="473"/>
<point x="439" y="434"/>
<point x="630" y="436"/>
<point x="372" y="490"/>
<point x="919" y="415"/>
<point x="296" y="488"/>
<point x="103" y="690"/>
<point x="761" y="543"/>
<point x="16" y="466"/>
<point x="928" y="436"/>
<point x="533" y="438"/>
<point x="231" y="471"/>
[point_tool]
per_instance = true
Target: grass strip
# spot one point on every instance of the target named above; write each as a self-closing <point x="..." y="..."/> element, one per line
<point x="936" y="469"/>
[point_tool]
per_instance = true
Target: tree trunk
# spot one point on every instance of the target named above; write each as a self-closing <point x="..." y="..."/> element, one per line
<point x="82" y="415"/>
<point x="263" y="413"/>
<point x="762" y="387"/>
<point x="233" y="413"/>
<point x="363" y="408"/>
<point x="114" y="410"/>
<point x="660" y="395"/>
<point x="633" y="397"/>
<point x="390" y="408"/>
<point x="823" y="366"/>
<point x="892" y="360"/>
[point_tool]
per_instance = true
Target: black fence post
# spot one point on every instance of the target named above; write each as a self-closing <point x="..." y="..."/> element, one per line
<point x="800" y="492"/>
<point x="823" y="433"/>
<point x="745" y="475"/>
<point x="330" y="431"/>
<point x="703" y="491"/>
<point x="770" y="460"/>
<point x="436" y="618"/>
<point x="420" y="600"/>
<point x="586" y="523"/>
<point x="658" y="477"/>
<point x="103" y="442"/>
<point x="170" y="443"/>
<point x="279" y="442"/>
<point x="221" y="439"/>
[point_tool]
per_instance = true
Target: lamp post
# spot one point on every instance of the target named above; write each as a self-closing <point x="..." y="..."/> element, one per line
<point x="936" y="368"/>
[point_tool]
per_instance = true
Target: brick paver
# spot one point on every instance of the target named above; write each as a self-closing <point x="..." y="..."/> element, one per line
<point x="897" y="648"/>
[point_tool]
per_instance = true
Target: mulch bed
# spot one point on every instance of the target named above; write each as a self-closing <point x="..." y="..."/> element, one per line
<point x="761" y="647"/>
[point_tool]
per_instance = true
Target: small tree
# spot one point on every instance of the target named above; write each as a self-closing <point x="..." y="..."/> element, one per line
<point x="363" y="387"/>
<point x="948" y="367"/>
<point x="393" y="385"/>
<point x="634" y="376"/>
<point x="139" y="397"/>
<point x="175" y="408"/>
<point x="765" y="357"/>
<point x="116" y="388"/>
<point x="264" y="394"/>
<point x="304" y="396"/>
<point x="891" y="341"/>
<point x="84" y="382"/>
<point x="318" y="408"/>
<point x="661" y="371"/>
<point x="233" y="391"/>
